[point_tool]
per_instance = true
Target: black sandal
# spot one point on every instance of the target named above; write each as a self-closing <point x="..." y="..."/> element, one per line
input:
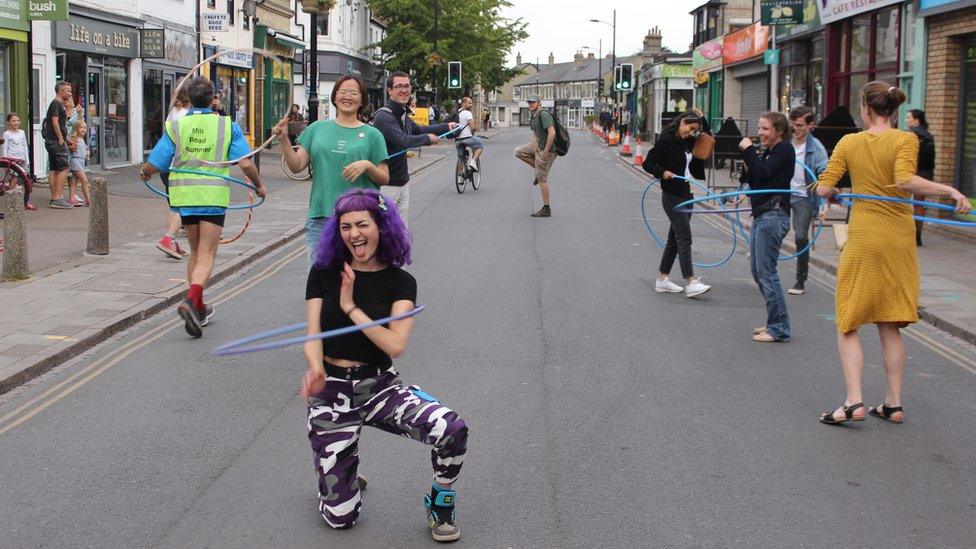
<point x="884" y="412"/>
<point x="828" y="417"/>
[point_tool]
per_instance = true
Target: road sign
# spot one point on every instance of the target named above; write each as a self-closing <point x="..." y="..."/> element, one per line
<point x="771" y="57"/>
<point x="214" y="22"/>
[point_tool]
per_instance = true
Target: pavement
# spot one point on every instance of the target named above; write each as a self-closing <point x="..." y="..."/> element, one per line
<point x="947" y="259"/>
<point x="73" y="301"/>
<point x="600" y="413"/>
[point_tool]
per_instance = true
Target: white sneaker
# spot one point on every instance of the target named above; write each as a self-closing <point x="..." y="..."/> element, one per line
<point x="696" y="288"/>
<point x="666" y="286"/>
<point x="472" y="165"/>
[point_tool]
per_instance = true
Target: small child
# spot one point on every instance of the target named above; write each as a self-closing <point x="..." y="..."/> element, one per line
<point x="15" y="146"/>
<point x="76" y="164"/>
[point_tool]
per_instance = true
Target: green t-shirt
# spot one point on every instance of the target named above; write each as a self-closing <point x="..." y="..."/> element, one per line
<point x="331" y="148"/>
<point x="540" y="124"/>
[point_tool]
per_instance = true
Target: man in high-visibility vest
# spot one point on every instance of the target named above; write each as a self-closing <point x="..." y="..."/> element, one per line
<point x="200" y="198"/>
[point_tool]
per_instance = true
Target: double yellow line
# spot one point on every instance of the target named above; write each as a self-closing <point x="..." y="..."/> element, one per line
<point x="56" y="393"/>
<point x="913" y="332"/>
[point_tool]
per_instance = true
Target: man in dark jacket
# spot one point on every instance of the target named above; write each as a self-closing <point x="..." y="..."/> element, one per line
<point x="401" y="133"/>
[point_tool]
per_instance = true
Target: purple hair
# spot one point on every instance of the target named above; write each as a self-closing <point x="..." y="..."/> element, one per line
<point x="394" y="245"/>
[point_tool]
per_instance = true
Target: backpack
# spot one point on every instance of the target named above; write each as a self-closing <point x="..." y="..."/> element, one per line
<point x="561" y="143"/>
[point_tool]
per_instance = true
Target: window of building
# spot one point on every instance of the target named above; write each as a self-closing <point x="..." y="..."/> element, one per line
<point x="323" y="24"/>
<point x="872" y="55"/>
<point x="36" y="94"/>
<point x="231" y="87"/>
<point x="801" y="76"/>
<point x="116" y="117"/>
<point x="230" y="10"/>
<point x="212" y="4"/>
<point x="4" y="82"/>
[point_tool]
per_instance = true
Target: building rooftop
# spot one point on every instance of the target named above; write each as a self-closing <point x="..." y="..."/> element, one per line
<point x="576" y="71"/>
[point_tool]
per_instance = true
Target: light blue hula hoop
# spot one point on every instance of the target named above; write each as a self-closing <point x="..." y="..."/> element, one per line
<point x="661" y="244"/>
<point x="225" y="177"/>
<point x="845" y="198"/>
<point x="441" y="136"/>
<point x="240" y="346"/>
<point x="810" y="244"/>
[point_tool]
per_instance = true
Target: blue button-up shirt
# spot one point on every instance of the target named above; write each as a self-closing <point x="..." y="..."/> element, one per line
<point x="162" y="156"/>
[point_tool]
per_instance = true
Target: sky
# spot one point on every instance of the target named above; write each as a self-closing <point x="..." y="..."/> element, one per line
<point x="563" y="26"/>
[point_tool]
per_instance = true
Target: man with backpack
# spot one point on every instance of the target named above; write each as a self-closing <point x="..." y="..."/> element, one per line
<point x="540" y="152"/>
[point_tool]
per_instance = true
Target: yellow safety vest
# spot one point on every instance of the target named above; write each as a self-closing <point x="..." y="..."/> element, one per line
<point x="200" y="137"/>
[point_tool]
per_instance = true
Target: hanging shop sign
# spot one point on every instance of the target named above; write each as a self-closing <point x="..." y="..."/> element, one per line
<point x="781" y="12"/>
<point x="707" y="56"/>
<point x="47" y="10"/>
<point x="771" y="57"/>
<point x="810" y="23"/>
<point x="153" y="43"/>
<point x="836" y="10"/>
<point x="94" y="36"/>
<point x="12" y="15"/>
<point x="745" y="44"/>
<point x="214" y="22"/>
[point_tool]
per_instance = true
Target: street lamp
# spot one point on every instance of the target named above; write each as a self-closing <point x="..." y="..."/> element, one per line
<point x="614" y="58"/>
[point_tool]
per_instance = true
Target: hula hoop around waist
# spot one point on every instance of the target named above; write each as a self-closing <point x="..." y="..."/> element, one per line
<point x="240" y="346"/>
<point x="847" y="197"/>
<point x="232" y="179"/>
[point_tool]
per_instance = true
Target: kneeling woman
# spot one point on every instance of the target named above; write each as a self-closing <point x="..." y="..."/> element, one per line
<point x="773" y="169"/>
<point x="350" y="381"/>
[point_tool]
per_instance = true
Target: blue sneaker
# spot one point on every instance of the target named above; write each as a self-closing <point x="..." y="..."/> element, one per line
<point x="194" y="321"/>
<point x="441" y="516"/>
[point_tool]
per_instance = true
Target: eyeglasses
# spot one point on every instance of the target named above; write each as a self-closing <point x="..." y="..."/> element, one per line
<point x="348" y="93"/>
<point x="402" y="87"/>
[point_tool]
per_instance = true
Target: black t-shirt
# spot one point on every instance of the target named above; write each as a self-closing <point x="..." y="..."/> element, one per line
<point x="374" y="293"/>
<point x="56" y="108"/>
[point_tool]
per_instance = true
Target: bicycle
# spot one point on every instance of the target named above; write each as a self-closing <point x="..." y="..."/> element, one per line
<point x="303" y="175"/>
<point x="13" y="174"/>
<point x="463" y="174"/>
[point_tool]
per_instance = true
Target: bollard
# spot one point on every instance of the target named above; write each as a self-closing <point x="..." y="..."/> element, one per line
<point x="14" y="236"/>
<point x="98" y="218"/>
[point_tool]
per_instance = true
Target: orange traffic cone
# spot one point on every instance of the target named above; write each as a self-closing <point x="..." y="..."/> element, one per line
<point x="625" y="151"/>
<point x="638" y="155"/>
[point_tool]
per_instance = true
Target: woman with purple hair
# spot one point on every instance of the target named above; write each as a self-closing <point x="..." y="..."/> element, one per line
<point x="351" y="382"/>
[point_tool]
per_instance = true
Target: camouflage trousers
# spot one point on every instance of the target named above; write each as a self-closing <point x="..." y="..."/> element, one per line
<point x="337" y="415"/>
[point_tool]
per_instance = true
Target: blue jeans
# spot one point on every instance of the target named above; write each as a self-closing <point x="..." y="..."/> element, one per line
<point x="801" y="210"/>
<point x="768" y="232"/>
<point x="313" y="233"/>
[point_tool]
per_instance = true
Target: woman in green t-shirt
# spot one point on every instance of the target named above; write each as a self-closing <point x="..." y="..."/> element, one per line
<point x="345" y="153"/>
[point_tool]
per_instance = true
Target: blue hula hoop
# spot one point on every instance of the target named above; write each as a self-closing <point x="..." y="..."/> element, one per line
<point x="441" y="136"/>
<point x="926" y="204"/>
<point x="661" y="244"/>
<point x="240" y="346"/>
<point x="225" y="177"/>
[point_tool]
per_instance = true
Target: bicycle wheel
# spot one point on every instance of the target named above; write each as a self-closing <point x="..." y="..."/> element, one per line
<point x="460" y="179"/>
<point x="303" y="175"/>
<point x="476" y="176"/>
<point x="11" y="176"/>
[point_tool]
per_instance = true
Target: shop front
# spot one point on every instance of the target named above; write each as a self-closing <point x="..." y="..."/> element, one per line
<point x="707" y="72"/>
<point x="14" y="60"/>
<point x="95" y="57"/>
<point x="746" y="75"/>
<point x="231" y="76"/>
<point x="802" y="68"/>
<point x="672" y="92"/>
<point x="332" y="65"/>
<point x="950" y="96"/>
<point x="862" y="42"/>
<point x="168" y="54"/>
<point x="274" y="98"/>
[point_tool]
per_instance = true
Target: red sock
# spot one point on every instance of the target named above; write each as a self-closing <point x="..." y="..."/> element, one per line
<point x="196" y="296"/>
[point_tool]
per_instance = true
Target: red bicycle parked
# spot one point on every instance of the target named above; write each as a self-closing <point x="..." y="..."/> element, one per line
<point x="13" y="174"/>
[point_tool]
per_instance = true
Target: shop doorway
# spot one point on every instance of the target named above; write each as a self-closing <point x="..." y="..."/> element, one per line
<point x="93" y="103"/>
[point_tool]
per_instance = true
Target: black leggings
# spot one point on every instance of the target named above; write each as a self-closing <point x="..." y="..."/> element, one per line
<point x="679" y="237"/>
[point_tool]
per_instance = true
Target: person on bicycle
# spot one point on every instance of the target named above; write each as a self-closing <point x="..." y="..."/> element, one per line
<point x="201" y="198"/>
<point x="466" y="137"/>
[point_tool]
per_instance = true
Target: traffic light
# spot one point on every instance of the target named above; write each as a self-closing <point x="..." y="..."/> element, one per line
<point x="616" y="78"/>
<point x="454" y="75"/>
<point x="626" y="77"/>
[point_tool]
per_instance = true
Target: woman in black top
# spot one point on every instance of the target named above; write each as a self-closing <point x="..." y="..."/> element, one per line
<point x="671" y="156"/>
<point x="350" y="381"/>
<point x="915" y="120"/>
<point x="773" y="169"/>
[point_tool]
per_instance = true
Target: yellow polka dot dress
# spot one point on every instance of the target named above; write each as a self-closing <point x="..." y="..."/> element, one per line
<point x="877" y="276"/>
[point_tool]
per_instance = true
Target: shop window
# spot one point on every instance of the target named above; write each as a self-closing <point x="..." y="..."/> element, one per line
<point x="152" y="98"/>
<point x="908" y="32"/>
<point x="116" y="112"/>
<point x="861" y="43"/>
<point x="233" y="93"/>
<point x="873" y="55"/>
<point x="36" y="94"/>
<point x="4" y="83"/>
<point x="885" y="38"/>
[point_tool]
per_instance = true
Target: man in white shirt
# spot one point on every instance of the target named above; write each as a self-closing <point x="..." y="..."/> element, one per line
<point x="467" y="137"/>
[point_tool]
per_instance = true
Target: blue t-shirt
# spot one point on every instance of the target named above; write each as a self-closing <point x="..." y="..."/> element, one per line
<point x="162" y="156"/>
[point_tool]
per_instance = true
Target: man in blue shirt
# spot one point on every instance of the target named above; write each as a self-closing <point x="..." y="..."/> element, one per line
<point x="201" y="199"/>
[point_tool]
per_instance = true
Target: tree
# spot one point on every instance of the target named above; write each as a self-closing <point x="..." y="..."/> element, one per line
<point x="470" y="31"/>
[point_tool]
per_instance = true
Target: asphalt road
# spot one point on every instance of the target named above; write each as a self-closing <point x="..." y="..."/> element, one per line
<point x="601" y="414"/>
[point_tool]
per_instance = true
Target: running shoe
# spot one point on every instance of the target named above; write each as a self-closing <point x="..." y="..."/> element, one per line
<point x="168" y="245"/>
<point x="472" y="165"/>
<point x="60" y="204"/>
<point x="77" y="202"/>
<point x="208" y="314"/>
<point x="797" y="289"/>
<point x="441" y="516"/>
<point x="194" y="319"/>
<point x="543" y="212"/>
<point x="666" y="286"/>
<point x="695" y="287"/>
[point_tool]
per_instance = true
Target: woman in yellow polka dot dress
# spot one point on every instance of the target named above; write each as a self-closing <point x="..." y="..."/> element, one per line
<point x="877" y="276"/>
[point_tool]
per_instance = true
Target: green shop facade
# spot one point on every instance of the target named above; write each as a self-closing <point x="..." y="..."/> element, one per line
<point x="15" y="60"/>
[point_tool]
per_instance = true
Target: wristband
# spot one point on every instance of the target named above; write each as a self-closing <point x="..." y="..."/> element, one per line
<point x="350" y="311"/>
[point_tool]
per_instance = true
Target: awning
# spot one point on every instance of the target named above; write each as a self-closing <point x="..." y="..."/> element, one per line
<point x="287" y="40"/>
